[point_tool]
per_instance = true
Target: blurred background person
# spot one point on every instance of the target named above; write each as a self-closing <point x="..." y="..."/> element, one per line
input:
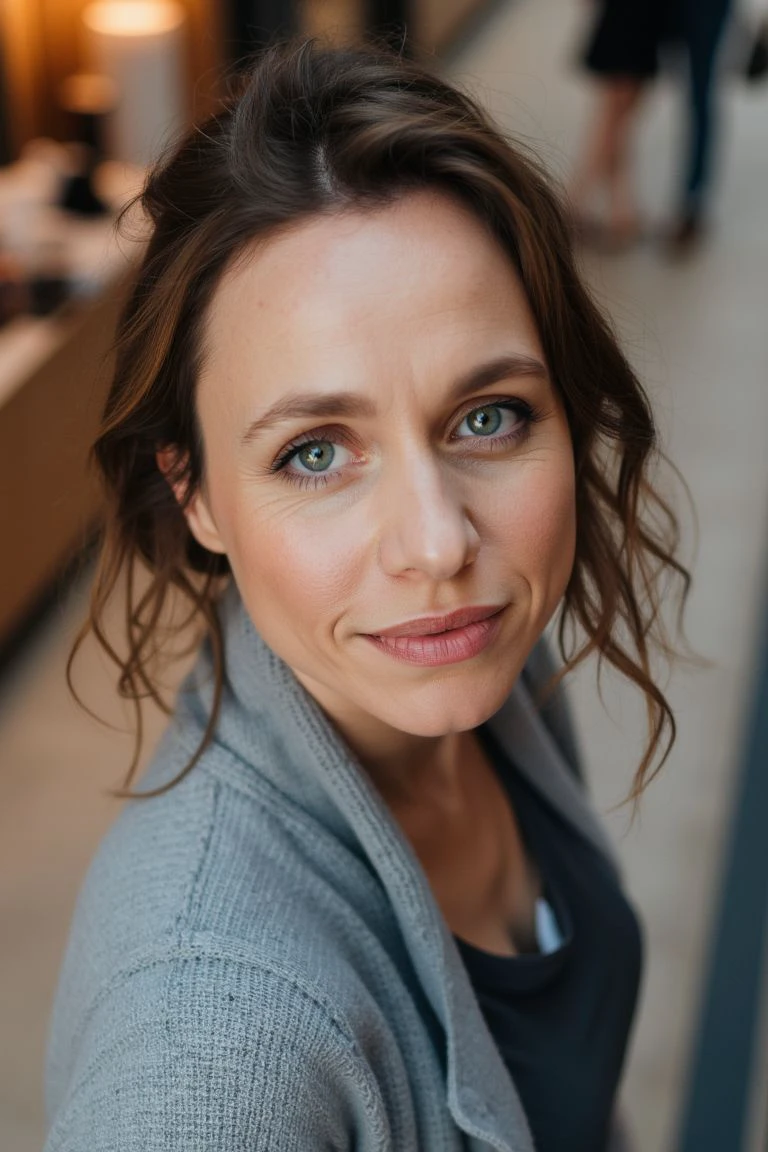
<point x="622" y="52"/>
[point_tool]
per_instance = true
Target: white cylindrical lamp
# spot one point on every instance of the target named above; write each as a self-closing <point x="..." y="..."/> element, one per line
<point x="139" y="45"/>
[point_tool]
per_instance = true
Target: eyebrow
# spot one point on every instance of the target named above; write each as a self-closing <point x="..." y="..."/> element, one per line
<point x="322" y="405"/>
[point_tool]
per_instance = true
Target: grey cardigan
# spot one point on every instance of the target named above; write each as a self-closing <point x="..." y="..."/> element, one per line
<point x="256" y="959"/>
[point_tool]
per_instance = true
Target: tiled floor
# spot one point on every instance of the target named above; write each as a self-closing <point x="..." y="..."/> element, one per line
<point x="697" y="332"/>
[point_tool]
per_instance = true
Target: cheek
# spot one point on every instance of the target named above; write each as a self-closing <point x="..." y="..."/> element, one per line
<point x="296" y="571"/>
<point x="540" y="525"/>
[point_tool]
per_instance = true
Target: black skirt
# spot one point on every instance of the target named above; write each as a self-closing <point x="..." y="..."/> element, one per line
<point x="626" y="36"/>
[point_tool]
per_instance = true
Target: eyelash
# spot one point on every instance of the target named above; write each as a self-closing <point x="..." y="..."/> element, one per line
<point x="521" y="408"/>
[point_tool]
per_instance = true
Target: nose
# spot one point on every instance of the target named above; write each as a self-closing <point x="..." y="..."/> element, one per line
<point x="426" y="527"/>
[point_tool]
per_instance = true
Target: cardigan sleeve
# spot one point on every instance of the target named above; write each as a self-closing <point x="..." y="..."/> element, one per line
<point x="209" y="1053"/>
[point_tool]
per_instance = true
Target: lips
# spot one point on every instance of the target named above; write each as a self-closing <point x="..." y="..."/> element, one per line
<point x="431" y="625"/>
<point x="437" y="641"/>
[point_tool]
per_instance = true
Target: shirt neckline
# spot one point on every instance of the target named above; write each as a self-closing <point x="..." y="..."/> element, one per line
<point x="527" y="971"/>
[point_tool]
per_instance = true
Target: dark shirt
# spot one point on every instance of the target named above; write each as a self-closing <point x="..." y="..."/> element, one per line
<point x="561" y="1020"/>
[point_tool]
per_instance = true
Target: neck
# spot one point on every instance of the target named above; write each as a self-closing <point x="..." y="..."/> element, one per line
<point x="409" y="772"/>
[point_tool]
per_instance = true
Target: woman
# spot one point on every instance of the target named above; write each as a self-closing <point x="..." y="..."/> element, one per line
<point x="366" y="419"/>
<point x="623" y="55"/>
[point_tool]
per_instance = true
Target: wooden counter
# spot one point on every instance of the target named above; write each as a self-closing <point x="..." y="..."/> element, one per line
<point x="48" y="500"/>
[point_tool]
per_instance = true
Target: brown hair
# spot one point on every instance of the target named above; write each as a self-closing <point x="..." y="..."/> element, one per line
<point x="316" y="129"/>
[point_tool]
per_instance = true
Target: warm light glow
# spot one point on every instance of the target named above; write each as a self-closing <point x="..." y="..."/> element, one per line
<point x="134" y="17"/>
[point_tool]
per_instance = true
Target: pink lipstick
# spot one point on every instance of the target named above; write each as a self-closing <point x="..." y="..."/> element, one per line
<point x="431" y="641"/>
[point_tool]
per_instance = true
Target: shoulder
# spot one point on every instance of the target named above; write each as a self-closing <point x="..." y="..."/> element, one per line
<point x="187" y="1014"/>
<point x="203" y="861"/>
<point x="202" y="1047"/>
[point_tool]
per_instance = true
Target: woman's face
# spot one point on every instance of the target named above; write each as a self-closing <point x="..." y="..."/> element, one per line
<point x="383" y="445"/>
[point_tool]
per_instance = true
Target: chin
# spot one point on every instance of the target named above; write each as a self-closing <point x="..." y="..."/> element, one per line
<point x="452" y="708"/>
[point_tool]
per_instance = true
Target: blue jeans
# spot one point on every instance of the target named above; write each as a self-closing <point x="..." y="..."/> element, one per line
<point x="702" y="30"/>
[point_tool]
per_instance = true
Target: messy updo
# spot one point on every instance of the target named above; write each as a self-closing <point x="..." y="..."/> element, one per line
<point x="316" y="129"/>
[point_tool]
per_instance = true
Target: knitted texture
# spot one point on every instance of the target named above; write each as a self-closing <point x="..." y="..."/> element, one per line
<point x="256" y="959"/>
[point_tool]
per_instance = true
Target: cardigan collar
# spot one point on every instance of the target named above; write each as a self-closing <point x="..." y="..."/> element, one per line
<point x="271" y="723"/>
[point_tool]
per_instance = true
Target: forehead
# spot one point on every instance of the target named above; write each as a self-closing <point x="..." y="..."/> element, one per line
<point x="358" y="298"/>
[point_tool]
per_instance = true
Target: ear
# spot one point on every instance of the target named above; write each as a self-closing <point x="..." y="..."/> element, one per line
<point x="197" y="513"/>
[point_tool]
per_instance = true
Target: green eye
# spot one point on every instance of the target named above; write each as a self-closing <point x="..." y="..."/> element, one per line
<point x="316" y="457"/>
<point x="484" y="421"/>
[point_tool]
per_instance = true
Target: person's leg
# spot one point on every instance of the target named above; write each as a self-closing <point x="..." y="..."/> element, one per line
<point x="605" y="166"/>
<point x="622" y="208"/>
<point x="705" y="22"/>
<point x="588" y="176"/>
